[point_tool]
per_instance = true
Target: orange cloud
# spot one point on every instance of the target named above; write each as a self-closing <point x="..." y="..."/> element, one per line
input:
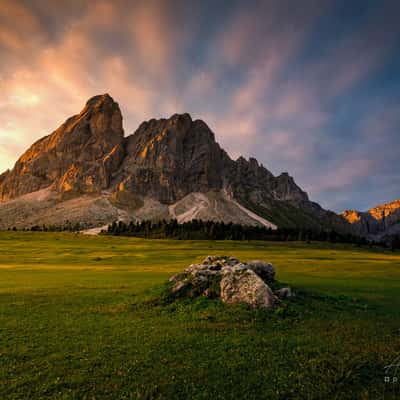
<point x="236" y="70"/>
<point x="19" y="28"/>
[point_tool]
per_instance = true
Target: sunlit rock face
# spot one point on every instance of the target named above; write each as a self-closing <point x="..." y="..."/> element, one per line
<point x="170" y="158"/>
<point x="165" y="159"/>
<point x="78" y="157"/>
<point x="376" y="222"/>
<point x="352" y="216"/>
<point x="168" y="168"/>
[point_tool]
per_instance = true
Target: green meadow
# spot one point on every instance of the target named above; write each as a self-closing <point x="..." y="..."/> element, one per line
<point x="83" y="317"/>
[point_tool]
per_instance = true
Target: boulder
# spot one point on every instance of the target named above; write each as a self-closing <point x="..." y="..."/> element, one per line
<point x="245" y="286"/>
<point x="221" y="260"/>
<point x="227" y="278"/>
<point x="263" y="269"/>
<point x="178" y="286"/>
<point x="284" y="293"/>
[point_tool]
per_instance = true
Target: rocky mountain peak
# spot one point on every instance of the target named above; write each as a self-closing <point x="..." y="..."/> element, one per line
<point x="173" y="164"/>
<point x="169" y="158"/>
<point x="99" y="100"/>
<point x="75" y="158"/>
<point x="287" y="189"/>
<point x="183" y="119"/>
<point x="104" y="117"/>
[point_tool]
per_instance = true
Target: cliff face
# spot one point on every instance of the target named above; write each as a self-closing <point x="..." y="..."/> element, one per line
<point x="165" y="161"/>
<point x="377" y="222"/>
<point x="170" y="158"/>
<point x="248" y="179"/>
<point x="76" y="158"/>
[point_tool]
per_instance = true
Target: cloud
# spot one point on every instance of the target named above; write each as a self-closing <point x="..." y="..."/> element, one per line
<point x="157" y="39"/>
<point x="115" y="48"/>
<point x="295" y="84"/>
<point x="346" y="173"/>
<point x="12" y="16"/>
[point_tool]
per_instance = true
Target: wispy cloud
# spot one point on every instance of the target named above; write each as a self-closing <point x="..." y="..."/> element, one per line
<point x="302" y="86"/>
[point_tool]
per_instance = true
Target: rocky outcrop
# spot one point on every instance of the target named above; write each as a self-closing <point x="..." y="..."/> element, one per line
<point x="230" y="280"/>
<point x="169" y="158"/>
<point x="377" y="222"/>
<point x="264" y="270"/>
<point x="167" y="168"/>
<point x="242" y="285"/>
<point x="284" y="293"/>
<point x="79" y="157"/>
<point x="248" y="179"/>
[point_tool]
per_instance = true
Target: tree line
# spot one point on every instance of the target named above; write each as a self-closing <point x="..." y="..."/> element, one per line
<point x="213" y="230"/>
<point x="66" y="227"/>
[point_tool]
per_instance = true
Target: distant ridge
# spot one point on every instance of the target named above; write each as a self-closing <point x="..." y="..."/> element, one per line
<point x="376" y="223"/>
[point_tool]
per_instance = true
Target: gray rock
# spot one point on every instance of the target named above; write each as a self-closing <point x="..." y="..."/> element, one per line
<point x="179" y="285"/>
<point x="244" y="286"/>
<point x="235" y="268"/>
<point x="263" y="269"/>
<point x="196" y="267"/>
<point x="209" y="260"/>
<point x="232" y="261"/>
<point x="284" y="293"/>
<point x="229" y="279"/>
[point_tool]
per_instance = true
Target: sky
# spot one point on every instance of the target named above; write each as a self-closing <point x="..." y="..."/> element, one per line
<point x="308" y="87"/>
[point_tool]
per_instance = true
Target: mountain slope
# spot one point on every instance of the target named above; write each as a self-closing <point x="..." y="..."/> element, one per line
<point x="79" y="156"/>
<point x="168" y="168"/>
<point x="377" y="222"/>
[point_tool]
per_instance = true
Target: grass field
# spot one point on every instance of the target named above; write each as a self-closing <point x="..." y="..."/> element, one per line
<point x="79" y="320"/>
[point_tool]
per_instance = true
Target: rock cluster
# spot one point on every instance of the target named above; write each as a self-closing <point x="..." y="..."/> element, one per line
<point x="232" y="281"/>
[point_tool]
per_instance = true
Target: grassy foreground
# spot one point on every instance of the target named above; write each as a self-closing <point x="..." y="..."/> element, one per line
<point x="78" y="320"/>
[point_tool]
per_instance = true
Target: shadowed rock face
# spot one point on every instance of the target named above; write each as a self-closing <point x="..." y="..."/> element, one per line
<point x="164" y="160"/>
<point x="77" y="158"/>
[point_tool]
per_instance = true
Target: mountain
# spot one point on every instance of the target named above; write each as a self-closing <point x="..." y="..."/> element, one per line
<point x="87" y="171"/>
<point x="378" y="222"/>
<point x="78" y="157"/>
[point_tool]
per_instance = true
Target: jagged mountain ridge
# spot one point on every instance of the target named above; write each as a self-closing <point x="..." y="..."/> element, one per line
<point x="167" y="168"/>
<point x="376" y="223"/>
